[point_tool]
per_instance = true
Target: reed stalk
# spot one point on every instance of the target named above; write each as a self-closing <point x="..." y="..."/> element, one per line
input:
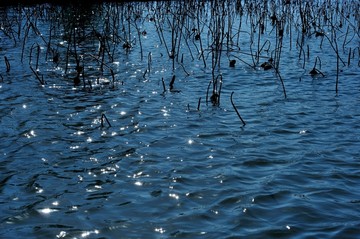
<point x="103" y="116"/>
<point x="163" y="84"/>
<point x="237" y="112"/>
<point x="41" y="80"/>
<point x="7" y="64"/>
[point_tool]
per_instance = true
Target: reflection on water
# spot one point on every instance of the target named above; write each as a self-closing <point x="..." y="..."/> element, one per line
<point x="171" y="162"/>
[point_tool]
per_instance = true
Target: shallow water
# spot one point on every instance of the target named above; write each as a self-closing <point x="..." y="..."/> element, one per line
<point x="166" y="169"/>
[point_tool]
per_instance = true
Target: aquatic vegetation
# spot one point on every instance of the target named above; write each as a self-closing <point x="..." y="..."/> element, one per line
<point x="232" y="63"/>
<point x="103" y="116"/>
<point x="87" y="42"/>
<point x="237" y="112"/>
<point x="7" y="63"/>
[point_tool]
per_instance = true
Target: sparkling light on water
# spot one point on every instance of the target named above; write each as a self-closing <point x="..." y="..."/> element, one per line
<point x="47" y="211"/>
<point x="165" y="168"/>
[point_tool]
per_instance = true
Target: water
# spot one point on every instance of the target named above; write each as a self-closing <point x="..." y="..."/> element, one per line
<point x="165" y="169"/>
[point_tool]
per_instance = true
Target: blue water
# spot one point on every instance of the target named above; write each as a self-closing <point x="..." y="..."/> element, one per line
<point x="167" y="167"/>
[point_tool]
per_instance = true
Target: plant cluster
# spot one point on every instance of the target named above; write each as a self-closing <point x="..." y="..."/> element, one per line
<point x="86" y="40"/>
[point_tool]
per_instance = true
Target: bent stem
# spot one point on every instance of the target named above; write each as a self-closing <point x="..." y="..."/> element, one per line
<point x="103" y="116"/>
<point x="237" y="112"/>
<point x="282" y="81"/>
<point x="42" y="82"/>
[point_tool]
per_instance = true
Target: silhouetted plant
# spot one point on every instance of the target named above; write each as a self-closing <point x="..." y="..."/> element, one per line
<point x="237" y="112"/>
<point x="103" y="116"/>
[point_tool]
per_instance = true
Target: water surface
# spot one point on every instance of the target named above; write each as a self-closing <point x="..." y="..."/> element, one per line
<point x="167" y="166"/>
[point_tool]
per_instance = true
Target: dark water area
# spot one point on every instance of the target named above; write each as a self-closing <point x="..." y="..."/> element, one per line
<point x="118" y="120"/>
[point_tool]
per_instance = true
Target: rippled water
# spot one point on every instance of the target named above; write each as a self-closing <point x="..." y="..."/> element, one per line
<point x="165" y="169"/>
